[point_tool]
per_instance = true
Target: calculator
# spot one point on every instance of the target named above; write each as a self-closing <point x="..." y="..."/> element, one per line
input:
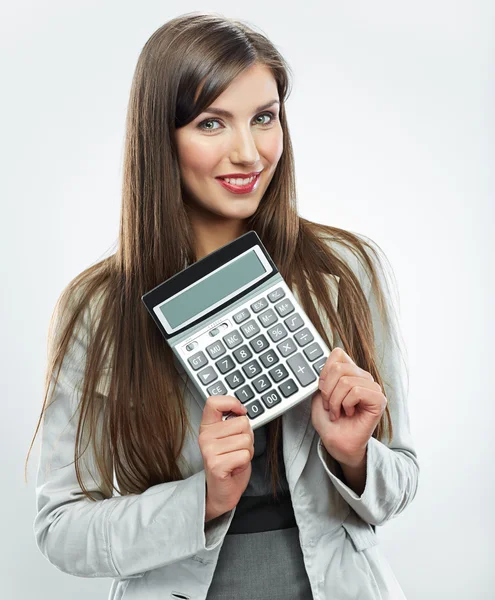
<point x="236" y="329"/>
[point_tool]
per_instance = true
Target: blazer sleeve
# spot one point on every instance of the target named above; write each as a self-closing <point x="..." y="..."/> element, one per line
<point x="392" y="469"/>
<point x="116" y="536"/>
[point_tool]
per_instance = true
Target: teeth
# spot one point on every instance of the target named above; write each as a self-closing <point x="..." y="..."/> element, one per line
<point x="239" y="181"/>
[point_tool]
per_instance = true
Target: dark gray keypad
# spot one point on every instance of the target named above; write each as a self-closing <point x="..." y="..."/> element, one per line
<point x="313" y="352"/>
<point x="287" y="347"/>
<point x="294" y="322"/>
<point x="254" y="409"/>
<point x="259" y="343"/>
<point x="269" y="358"/>
<point x="271" y="398"/>
<point x="276" y="294"/>
<point x="303" y="337"/>
<point x="318" y="366"/>
<point x="206" y="376"/>
<point x="284" y="307"/>
<point x="250" y="328"/>
<point x="268" y="317"/>
<point x="235" y="379"/>
<point x="241" y="316"/>
<point x="276" y="362"/>
<point x="261" y="384"/>
<point x="197" y="360"/>
<point x="278" y="332"/>
<point x="299" y="366"/>
<point x="217" y="389"/>
<point x="217" y="349"/>
<point x="242" y="354"/>
<point x="259" y="305"/>
<point x="225" y="364"/>
<point x="278" y="373"/>
<point x="288" y="388"/>
<point x="232" y="339"/>
<point x="252" y="368"/>
<point x="244" y="393"/>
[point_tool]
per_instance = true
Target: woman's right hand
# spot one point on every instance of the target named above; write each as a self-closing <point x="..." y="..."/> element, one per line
<point x="227" y="447"/>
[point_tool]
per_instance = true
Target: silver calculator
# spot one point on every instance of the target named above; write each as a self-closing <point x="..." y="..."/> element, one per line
<point x="236" y="329"/>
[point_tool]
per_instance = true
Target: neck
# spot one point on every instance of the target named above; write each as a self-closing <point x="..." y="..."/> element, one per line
<point x="211" y="233"/>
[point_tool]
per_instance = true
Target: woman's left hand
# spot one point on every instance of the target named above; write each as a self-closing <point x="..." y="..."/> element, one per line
<point x="350" y="393"/>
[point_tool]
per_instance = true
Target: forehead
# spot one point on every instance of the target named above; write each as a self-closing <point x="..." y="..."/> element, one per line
<point x="254" y="89"/>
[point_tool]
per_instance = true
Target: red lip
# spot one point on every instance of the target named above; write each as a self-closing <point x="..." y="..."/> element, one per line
<point x="238" y="175"/>
<point x="239" y="189"/>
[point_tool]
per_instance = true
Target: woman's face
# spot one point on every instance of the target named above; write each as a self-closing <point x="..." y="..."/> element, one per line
<point x="250" y="140"/>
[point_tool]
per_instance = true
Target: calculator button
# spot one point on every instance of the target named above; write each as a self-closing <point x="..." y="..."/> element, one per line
<point x="232" y="339"/>
<point x="254" y="409"/>
<point x="225" y="364"/>
<point x="214" y="332"/>
<point x="269" y="358"/>
<point x="313" y="352"/>
<point x="252" y="368"/>
<point x="198" y="360"/>
<point x="218" y="389"/>
<point x="318" y="366"/>
<point x="235" y="379"/>
<point x="294" y="322"/>
<point x="207" y="375"/>
<point x="262" y="383"/>
<point x="276" y="294"/>
<point x="259" y="343"/>
<point x="215" y="350"/>
<point x="267" y="318"/>
<point x="191" y="346"/>
<point x="277" y="333"/>
<point x="287" y="388"/>
<point x="284" y="307"/>
<point x="259" y="305"/>
<point x="287" y="347"/>
<point x="244" y="393"/>
<point x="301" y="369"/>
<point x="271" y="398"/>
<point x="241" y="315"/>
<point x="250" y="328"/>
<point x="242" y="354"/>
<point x="278" y="373"/>
<point x="304" y="336"/>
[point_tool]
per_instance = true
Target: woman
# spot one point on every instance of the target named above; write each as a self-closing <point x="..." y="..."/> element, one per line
<point x="141" y="481"/>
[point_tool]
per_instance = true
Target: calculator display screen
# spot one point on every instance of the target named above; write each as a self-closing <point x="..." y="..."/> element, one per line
<point x="232" y="277"/>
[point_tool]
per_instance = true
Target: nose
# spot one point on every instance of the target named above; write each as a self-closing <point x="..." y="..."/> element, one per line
<point x="244" y="149"/>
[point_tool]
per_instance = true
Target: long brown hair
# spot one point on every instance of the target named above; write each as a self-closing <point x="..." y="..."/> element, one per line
<point x="138" y="423"/>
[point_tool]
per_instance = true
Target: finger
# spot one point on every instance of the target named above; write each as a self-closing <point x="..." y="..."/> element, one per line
<point x="334" y="374"/>
<point x="235" y="442"/>
<point x="336" y="355"/>
<point x="342" y="391"/>
<point x="368" y="398"/>
<point x="216" y="406"/>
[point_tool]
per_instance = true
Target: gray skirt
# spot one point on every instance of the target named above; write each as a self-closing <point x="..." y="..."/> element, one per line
<point x="267" y="565"/>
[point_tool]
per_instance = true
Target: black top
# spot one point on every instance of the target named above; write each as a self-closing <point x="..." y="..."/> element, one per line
<point x="257" y="510"/>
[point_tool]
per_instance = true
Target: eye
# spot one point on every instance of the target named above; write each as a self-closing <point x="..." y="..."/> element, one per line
<point x="268" y="113"/>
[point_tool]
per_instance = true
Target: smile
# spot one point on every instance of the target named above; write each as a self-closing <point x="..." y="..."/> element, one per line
<point x="240" y="189"/>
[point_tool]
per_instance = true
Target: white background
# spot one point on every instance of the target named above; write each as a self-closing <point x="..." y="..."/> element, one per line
<point x="392" y="120"/>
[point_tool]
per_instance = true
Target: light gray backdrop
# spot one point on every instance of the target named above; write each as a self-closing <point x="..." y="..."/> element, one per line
<point x="392" y="118"/>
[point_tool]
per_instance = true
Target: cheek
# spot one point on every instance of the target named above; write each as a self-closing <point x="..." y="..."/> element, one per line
<point x="198" y="158"/>
<point x="273" y="146"/>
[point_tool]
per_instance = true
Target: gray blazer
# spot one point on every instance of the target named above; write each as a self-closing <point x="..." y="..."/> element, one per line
<point x="155" y="545"/>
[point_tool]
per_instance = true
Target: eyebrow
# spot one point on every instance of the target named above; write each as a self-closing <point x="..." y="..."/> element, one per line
<point x="225" y="113"/>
